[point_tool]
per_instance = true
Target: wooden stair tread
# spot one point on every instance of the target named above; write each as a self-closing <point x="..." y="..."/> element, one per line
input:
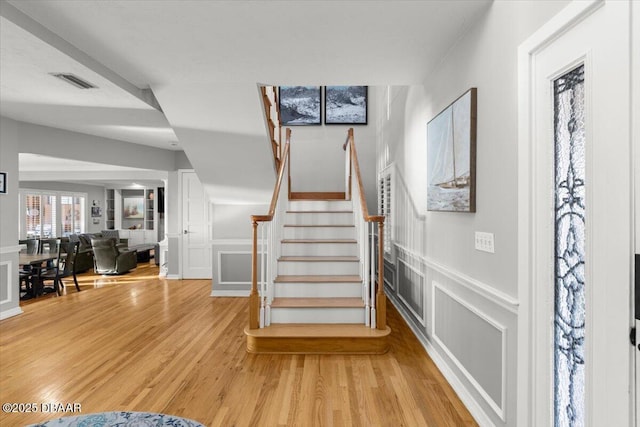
<point x="320" y="258"/>
<point x="326" y="330"/>
<point x="317" y="339"/>
<point x="319" y="225"/>
<point x="318" y="241"/>
<point x="317" y="303"/>
<point x="318" y="279"/>
<point x="317" y="195"/>
<point x="324" y="211"/>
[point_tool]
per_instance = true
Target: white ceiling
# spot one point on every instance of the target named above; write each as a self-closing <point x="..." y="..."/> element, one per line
<point x="203" y="61"/>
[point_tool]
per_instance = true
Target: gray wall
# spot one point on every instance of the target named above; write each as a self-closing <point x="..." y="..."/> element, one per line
<point x="9" y="295"/>
<point x="232" y="244"/>
<point x="458" y="300"/>
<point x="94" y="192"/>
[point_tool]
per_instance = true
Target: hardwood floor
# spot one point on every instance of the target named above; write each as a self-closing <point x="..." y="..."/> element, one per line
<point x="139" y="343"/>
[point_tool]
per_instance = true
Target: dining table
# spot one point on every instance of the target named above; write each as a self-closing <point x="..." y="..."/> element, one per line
<point x="36" y="262"/>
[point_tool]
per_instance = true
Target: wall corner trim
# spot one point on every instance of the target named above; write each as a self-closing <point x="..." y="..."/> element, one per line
<point x="10" y="313"/>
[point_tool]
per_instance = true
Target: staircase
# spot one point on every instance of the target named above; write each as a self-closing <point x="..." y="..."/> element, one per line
<point x="318" y="304"/>
<point x="314" y="281"/>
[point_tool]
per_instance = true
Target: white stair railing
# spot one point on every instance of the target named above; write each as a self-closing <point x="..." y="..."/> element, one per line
<point x="269" y="228"/>
<point x="373" y="290"/>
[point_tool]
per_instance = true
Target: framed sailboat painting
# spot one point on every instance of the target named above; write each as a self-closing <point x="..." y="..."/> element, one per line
<point x="451" y="156"/>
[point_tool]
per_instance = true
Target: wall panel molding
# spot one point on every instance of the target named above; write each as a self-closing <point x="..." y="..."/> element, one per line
<point x="10" y="249"/>
<point x="8" y="279"/>
<point x="421" y="317"/>
<point x="498" y="407"/>
<point x="488" y="292"/>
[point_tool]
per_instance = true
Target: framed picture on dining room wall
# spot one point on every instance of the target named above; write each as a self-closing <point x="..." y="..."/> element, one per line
<point x="451" y="156"/>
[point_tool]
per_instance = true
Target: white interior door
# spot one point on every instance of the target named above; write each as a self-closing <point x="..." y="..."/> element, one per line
<point x="196" y="230"/>
<point x="579" y="196"/>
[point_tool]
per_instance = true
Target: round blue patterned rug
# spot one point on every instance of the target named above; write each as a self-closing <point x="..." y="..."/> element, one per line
<point x="120" y="419"/>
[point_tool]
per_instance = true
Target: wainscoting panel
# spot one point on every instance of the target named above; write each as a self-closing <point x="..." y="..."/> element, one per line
<point x="474" y="342"/>
<point x="235" y="267"/>
<point x="389" y="275"/>
<point x="411" y="289"/>
<point x="6" y="278"/>
<point x="9" y="286"/>
<point x="232" y="267"/>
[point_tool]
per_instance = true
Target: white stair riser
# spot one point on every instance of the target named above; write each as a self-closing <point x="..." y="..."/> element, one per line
<point x="318" y="290"/>
<point x="320" y="205"/>
<point x="319" y="232"/>
<point x="319" y="249"/>
<point x="319" y="218"/>
<point x="317" y="315"/>
<point x="334" y="268"/>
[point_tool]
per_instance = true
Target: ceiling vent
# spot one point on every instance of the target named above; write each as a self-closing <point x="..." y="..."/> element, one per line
<point x="74" y="80"/>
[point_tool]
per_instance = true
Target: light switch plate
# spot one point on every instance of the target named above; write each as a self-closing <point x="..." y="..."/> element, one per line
<point x="484" y="242"/>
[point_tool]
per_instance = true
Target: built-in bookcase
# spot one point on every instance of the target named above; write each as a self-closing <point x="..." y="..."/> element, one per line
<point x="149" y="209"/>
<point x="110" y="209"/>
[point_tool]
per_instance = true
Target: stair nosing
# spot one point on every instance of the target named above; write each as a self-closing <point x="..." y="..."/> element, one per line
<point x="304" y="302"/>
<point x="323" y="241"/>
<point x="321" y="211"/>
<point x="319" y="225"/>
<point x="319" y="258"/>
<point x="317" y="278"/>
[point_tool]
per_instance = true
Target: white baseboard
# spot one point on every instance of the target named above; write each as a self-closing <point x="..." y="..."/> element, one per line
<point x="10" y="313"/>
<point x="463" y="393"/>
<point x="222" y="293"/>
<point x="172" y="277"/>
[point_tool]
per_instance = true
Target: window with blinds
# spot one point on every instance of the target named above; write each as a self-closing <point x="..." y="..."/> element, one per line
<point x="72" y="208"/>
<point x="384" y="207"/>
<point x="52" y="214"/>
<point x="40" y="215"/>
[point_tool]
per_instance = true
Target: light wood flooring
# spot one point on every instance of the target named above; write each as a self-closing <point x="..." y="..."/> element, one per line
<point x="139" y="343"/>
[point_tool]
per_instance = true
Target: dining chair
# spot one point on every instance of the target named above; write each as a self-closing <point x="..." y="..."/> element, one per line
<point x="64" y="266"/>
<point x="25" y="273"/>
<point x="48" y="245"/>
<point x="32" y="246"/>
<point x="26" y="279"/>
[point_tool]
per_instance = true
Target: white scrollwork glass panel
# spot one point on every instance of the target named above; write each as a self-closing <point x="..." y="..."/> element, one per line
<point x="569" y="334"/>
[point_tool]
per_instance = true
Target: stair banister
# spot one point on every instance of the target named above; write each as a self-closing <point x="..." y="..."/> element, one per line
<point x="259" y="303"/>
<point x="273" y="121"/>
<point x="374" y="297"/>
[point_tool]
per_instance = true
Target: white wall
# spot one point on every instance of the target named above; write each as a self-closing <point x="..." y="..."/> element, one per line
<point x="439" y="281"/>
<point x="9" y="292"/>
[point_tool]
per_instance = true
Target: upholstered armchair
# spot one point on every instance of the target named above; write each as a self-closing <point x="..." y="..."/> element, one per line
<point x="108" y="258"/>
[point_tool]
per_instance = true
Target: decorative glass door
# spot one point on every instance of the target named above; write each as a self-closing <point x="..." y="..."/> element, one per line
<point x="575" y="219"/>
<point x="570" y="214"/>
